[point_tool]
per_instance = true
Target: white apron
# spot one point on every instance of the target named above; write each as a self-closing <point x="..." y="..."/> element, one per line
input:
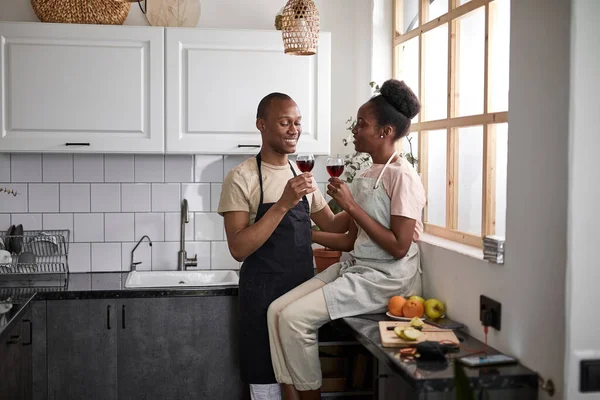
<point x="364" y="284"/>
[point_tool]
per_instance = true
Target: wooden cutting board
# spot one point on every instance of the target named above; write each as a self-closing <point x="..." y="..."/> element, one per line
<point x="429" y="332"/>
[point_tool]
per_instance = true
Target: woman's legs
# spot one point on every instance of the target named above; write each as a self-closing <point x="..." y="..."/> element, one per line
<point x="298" y="325"/>
<point x="273" y="314"/>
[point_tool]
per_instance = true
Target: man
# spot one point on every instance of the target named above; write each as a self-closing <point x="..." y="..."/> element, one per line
<point x="267" y="205"/>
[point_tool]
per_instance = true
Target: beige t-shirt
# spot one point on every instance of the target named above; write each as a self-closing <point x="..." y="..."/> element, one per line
<point x="405" y="189"/>
<point x="241" y="188"/>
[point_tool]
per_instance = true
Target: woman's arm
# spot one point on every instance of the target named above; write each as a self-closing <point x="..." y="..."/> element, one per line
<point x="396" y="241"/>
<point x="337" y="241"/>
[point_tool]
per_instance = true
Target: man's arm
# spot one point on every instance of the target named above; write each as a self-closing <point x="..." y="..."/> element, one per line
<point x="337" y="241"/>
<point x="244" y="239"/>
<point x="328" y="222"/>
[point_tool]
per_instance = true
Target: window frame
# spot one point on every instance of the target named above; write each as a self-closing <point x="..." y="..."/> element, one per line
<point x="452" y="122"/>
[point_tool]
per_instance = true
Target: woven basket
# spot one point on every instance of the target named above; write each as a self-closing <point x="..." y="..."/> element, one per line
<point x="300" y="27"/>
<point x="103" y="12"/>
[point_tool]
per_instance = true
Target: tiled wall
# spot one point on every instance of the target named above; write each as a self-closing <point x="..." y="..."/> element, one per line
<point x="108" y="202"/>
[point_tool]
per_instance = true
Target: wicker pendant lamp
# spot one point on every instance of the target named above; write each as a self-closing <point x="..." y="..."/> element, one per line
<point x="300" y="27"/>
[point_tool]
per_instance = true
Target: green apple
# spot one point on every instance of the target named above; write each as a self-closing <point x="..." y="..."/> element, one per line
<point x="422" y="300"/>
<point x="434" y="309"/>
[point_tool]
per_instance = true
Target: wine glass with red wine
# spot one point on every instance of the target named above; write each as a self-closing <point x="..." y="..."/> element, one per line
<point x="335" y="166"/>
<point x="305" y="162"/>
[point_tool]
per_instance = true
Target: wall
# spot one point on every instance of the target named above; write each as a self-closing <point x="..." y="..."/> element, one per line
<point x="583" y="274"/>
<point x="349" y="22"/>
<point x="108" y="202"/>
<point x="530" y="285"/>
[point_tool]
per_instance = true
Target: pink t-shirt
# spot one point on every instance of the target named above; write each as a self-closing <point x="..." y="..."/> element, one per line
<point x="405" y="189"/>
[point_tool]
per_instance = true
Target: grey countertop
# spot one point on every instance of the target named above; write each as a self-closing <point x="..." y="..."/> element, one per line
<point x="422" y="376"/>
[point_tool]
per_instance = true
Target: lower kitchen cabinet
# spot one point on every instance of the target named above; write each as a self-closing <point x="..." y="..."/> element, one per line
<point x="178" y="348"/>
<point x="141" y="348"/>
<point x="15" y="361"/>
<point x="82" y="349"/>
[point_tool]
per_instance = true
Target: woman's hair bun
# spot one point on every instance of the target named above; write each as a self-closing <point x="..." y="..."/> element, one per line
<point x="401" y="97"/>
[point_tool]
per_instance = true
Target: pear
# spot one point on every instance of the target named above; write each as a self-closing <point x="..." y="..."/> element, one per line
<point x="420" y="299"/>
<point x="434" y="309"/>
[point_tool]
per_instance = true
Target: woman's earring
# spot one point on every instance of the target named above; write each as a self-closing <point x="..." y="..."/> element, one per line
<point x="381" y="136"/>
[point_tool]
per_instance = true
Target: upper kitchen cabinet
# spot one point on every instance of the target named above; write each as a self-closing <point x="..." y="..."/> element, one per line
<point x="81" y="88"/>
<point x="215" y="79"/>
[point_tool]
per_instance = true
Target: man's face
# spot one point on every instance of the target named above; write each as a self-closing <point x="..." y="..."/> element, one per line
<point x="281" y="127"/>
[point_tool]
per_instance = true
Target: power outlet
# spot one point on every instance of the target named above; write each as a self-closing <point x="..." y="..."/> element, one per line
<point x="490" y="310"/>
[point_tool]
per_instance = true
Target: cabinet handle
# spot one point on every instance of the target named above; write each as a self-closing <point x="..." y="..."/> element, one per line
<point x="77" y="144"/>
<point x="254" y="146"/>
<point x="14" y="339"/>
<point x="30" y="333"/>
<point x="123" y="316"/>
<point x="108" y="317"/>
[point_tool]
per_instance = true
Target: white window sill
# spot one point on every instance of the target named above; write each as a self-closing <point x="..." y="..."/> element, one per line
<point x="452" y="246"/>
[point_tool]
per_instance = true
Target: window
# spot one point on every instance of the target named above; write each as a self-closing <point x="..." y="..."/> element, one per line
<point x="454" y="54"/>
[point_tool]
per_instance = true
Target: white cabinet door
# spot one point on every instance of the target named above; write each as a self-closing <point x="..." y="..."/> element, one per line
<point x="81" y="88"/>
<point x="216" y="78"/>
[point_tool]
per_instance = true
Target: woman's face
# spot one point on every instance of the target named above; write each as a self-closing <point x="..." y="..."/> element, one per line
<point x="366" y="133"/>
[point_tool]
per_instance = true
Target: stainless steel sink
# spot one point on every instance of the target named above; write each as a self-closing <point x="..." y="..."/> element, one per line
<point x="197" y="278"/>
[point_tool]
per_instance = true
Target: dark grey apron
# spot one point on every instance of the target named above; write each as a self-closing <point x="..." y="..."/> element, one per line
<point x="283" y="262"/>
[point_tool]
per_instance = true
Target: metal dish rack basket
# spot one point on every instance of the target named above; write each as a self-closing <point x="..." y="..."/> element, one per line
<point x="45" y="254"/>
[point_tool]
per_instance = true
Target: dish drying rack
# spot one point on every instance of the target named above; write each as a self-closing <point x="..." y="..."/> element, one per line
<point x="49" y="262"/>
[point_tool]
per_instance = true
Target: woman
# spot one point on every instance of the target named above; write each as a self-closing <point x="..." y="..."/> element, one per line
<point x="384" y="209"/>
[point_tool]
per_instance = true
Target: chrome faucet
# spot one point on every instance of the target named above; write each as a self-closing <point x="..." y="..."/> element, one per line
<point x="134" y="264"/>
<point x="183" y="261"/>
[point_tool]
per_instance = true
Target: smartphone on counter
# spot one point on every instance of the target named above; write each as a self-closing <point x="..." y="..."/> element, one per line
<point x="482" y="361"/>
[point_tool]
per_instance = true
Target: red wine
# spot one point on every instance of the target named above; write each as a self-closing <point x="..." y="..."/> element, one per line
<point x="335" y="170"/>
<point x="305" y="165"/>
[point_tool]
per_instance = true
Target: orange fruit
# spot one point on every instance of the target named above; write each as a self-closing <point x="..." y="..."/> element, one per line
<point x="412" y="308"/>
<point x="395" y="305"/>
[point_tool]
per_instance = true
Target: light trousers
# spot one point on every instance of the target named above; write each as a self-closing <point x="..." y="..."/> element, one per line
<point x="293" y="320"/>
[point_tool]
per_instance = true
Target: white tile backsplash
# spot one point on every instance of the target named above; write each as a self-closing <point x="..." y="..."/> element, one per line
<point x="57" y="167"/>
<point x="230" y="162"/>
<point x="31" y="222"/>
<point x="26" y="168"/>
<point x="106" y="257"/>
<point x="197" y="195"/>
<point x="74" y="197"/>
<point x="164" y="256"/>
<point x="58" y="222"/>
<point x="106" y="197"/>
<point x="88" y="227"/>
<point x="202" y="251"/>
<point x="80" y="257"/>
<point x="142" y="254"/>
<point x="179" y="168"/>
<point x="88" y="168"/>
<point x="118" y="168"/>
<point x="149" y="168"/>
<point x="215" y="196"/>
<point x="209" y="226"/>
<point x="173" y="229"/>
<point x="151" y="224"/>
<point x="100" y="200"/>
<point x="10" y="203"/>
<point x="43" y="197"/>
<point x="119" y="227"/>
<point x="220" y="257"/>
<point x="165" y="197"/>
<point x="135" y="197"/>
<point x="4" y="222"/>
<point x="4" y="167"/>
<point x="208" y="168"/>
